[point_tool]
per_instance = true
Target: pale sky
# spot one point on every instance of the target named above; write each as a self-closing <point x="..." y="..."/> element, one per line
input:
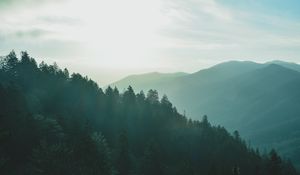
<point x="110" y="39"/>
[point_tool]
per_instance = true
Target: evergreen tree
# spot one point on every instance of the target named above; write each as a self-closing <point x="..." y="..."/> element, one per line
<point x="165" y="102"/>
<point x="152" y="96"/>
<point x="11" y="61"/>
<point x="236" y="135"/>
<point x="205" y="122"/>
<point x="274" y="163"/>
<point x="129" y="96"/>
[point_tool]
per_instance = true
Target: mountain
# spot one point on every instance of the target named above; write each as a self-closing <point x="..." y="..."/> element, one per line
<point x="54" y="123"/>
<point x="289" y="65"/>
<point x="150" y="79"/>
<point x="259" y="100"/>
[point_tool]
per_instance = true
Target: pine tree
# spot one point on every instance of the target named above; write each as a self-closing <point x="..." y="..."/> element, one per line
<point x="11" y="60"/>
<point x="129" y="96"/>
<point x="165" y="102"/>
<point x="274" y="163"/>
<point x="204" y="122"/>
<point x="236" y="135"/>
<point x="152" y="96"/>
<point x="104" y="154"/>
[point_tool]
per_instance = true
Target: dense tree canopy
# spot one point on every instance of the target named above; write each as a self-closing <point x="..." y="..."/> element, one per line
<point x="55" y="123"/>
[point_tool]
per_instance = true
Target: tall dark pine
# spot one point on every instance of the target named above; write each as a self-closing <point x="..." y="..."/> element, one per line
<point x="11" y="60"/>
<point x="152" y="96"/>
<point x="274" y="163"/>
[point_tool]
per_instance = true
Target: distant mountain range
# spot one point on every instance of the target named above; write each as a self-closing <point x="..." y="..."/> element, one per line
<point x="261" y="101"/>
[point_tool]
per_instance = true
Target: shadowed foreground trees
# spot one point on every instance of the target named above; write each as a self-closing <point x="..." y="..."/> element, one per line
<point x="54" y="123"/>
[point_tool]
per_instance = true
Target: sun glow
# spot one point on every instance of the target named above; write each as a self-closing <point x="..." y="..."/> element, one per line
<point x="116" y="38"/>
<point x="121" y="32"/>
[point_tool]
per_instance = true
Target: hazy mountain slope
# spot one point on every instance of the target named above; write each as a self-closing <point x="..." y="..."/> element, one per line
<point x="269" y="108"/>
<point x="170" y="84"/>
<point x="289" y="65"/>
<point x="265" y="108"/>
<point x="260" y="100"/>
<point x="151" y="80"/>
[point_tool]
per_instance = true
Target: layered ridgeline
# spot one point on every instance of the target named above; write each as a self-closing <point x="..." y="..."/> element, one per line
<point x="56" y="124"/>
<point x="262" y="101"/>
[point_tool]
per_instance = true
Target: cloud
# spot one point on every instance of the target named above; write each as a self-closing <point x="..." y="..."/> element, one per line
<point x="31" y="34"/>
<point x="7" y="4"/>
<point x="59" y="20"/>
<point x="214" y="24"/>
<point x="199" y="9"/>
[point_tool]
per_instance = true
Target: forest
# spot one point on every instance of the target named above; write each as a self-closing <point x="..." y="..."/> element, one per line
<point x="54" y="123"/>
<point x="238" y="95"/>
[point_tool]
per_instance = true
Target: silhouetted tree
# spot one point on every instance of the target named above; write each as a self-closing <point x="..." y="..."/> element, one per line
<point x="274" y="163"/>
<point x="152" y="96"/>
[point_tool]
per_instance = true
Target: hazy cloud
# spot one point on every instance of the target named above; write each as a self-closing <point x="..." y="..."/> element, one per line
<point x="17" y="3"/>
<point x="60" y="20"/>
<point x="31" y="34"/>
<point x="210" y="25"/>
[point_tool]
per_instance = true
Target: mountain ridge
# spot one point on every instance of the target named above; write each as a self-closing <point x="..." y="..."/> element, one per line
<point x="230" y="92"/>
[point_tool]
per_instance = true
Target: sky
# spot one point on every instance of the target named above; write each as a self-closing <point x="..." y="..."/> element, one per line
<point x="110" y="39"/>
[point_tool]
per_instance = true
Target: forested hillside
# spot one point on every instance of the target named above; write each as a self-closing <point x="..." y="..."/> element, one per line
<point x="54" y="123"/>
<point x="259" y="100"/>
